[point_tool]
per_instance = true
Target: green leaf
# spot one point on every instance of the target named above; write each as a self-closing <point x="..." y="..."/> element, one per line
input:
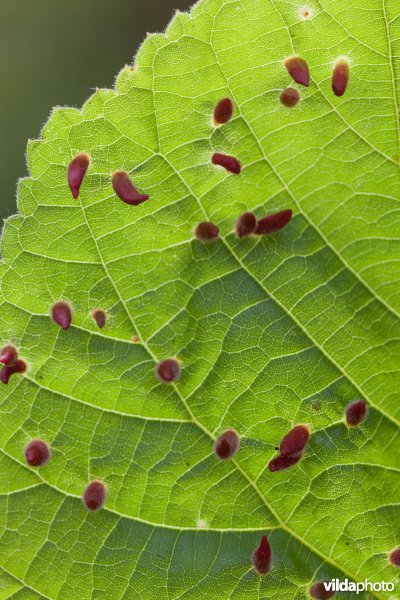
<point x="270" y="331"/>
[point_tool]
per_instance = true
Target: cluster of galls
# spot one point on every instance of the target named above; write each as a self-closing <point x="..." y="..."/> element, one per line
<point x="223" y="111"/>
<point x="291" y="450"/>
<point x="247" y="224"/>
<point x="167" y="370"/>
<point x="11" y="364"/>
<point x="205" y="232"/>
<point x="262" y="560"/>
<point x="298" y="70"/>
<point x="37" y="454"/>
<point x="61" y="314"/>
<point x="292" y="446"/>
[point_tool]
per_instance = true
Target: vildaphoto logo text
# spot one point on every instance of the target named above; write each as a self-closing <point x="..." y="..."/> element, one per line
<point x="344" y="585"/>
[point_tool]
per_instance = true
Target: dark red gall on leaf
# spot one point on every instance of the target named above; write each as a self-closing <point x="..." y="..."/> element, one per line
<point x="295" y="441"/>
<point x="298" y="70"/>
<point x="100" y="317"/>
<point x="61" y="314"/>
<point x="125" y="189"/>
<point x="246" y="224"/>
<point x="7" y="371"/>
<point x="223" y="111"/>
<point x="94" y="496"/>
<point x="273" y="223"/>
<point x="227" y="445"/>
<point x="20" y="366"/>
<point x="262" y="557"/>
<point x="394" y="557"/>
<point x="290" y="97"/>
<point x="206" y="232"/>
<point x="356" y="412"/>
<point x="318" y="591"/>
<point x="168" y="370"/>
<point x="76" y="173"/>
<point x="340" y="77"/>
<point x="37" y="453"/>
<point x="5" y="374"/>
<point x="281" y="462"/>
<point x="8" y="355"/>
<point x="230" y="163"/>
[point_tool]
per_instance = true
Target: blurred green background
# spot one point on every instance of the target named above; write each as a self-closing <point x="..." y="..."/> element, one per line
<point x="54" y="52"/>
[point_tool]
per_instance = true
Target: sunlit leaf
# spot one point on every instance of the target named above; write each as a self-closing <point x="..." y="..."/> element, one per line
<point x="269" y="331"/>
